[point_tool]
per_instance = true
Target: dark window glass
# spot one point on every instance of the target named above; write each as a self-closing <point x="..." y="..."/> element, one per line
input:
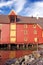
<point x="12" y="18"/>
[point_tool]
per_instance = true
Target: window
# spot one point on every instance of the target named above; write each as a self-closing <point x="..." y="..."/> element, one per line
<point x="25" y="25"/>
<point x="25" y="39"/>
<point x="35" y="39"/>
<point x="12" y="18"/>
<point x="13" y="26"/>
<point x="34" y="25"/>
<point x="13" y="33"/>
<point x="25" y="32"/>
<point x="12" y="39"/>
<point x="35" y="31"/>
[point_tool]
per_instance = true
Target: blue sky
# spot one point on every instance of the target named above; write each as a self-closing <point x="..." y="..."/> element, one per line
<point x="22" y="7"/>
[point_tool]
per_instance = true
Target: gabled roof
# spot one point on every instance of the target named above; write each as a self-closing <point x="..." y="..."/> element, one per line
<point x="30" y="20"/>
<point x="12" y="12"/>
<point x="4" y="19"/>
<point x="22" y="19"/>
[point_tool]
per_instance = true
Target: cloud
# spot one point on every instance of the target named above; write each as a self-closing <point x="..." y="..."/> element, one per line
<point x="6" y="3"/>
<point x="35" y="9"/>
<point x="19" y="5"/>
<point x="22" y="7"/>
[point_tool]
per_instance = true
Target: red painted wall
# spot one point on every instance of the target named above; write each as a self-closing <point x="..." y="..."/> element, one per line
<point x="30" y="34"/>
<point x="5" y="33"/>
<point x="20" y="35"/>
<point x="40" y="38"/>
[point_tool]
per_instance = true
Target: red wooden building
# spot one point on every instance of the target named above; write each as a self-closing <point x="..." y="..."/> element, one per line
<point x="15" y="29"/>
<point x="18" y="30"/>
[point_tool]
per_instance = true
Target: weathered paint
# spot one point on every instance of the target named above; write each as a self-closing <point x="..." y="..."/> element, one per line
<point x="5" y="34"/>
<point x="31" y="37"/>
<point x="12" y="33"/>
<point x="20" y="34"/>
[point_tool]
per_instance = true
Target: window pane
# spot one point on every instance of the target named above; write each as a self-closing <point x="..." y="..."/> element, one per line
<point x="13" y="33"/>
<point x="25" y="32"/>
<point x="12" y="18"/>
<point x="35" y="31"/>
<point x="25" y="26"/>
<point x="34" y="26"/>
<point x="25" y="39"/>
<point x="13" y="26"/>
<point x="12" y="39"/>
<point x="35" y="39"/>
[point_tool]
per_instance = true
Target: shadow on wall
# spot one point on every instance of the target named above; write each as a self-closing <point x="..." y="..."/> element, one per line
<point x="17" y="19"/>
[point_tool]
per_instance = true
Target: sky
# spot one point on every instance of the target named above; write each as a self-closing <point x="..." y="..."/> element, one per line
<point x="22" y="7"/>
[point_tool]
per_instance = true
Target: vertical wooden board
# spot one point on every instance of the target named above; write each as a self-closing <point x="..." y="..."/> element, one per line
<point x="20" y="35"/>
<point x="5" y="33"/>
<point x="30" y="34"/>
<point x="40" y="41"/>
<point x="0" y="31"/>
<point x="39" y="34"/>
<point x="39" y="31"/>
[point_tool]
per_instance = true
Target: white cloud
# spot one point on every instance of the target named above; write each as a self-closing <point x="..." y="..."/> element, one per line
<point x="35" y="9"/>
<point x="19" y="5"/>
<point x="8" y="3"/>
